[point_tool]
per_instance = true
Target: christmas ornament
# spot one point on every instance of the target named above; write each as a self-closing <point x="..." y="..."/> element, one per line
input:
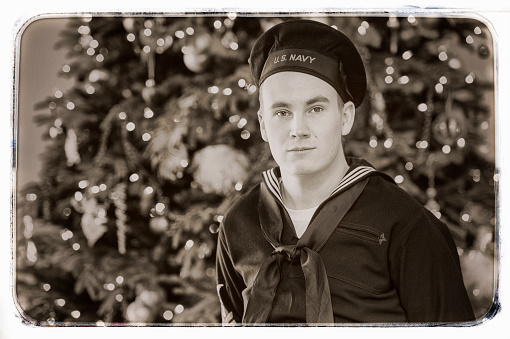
<point x="218" y="168"/>
<point x="129" y="24"/>
<point x="158" y="225"/>
<point x="137" y="312"/>
<point x="449" y="126"/>
<point x="93" y="219"/>
<point x="196" y="62"/>
<point x="118" y="196"/>
<point x="71" y="148"/>
<point x="149" y="92"/>
<point x="166" y="149"/>
<point x="150" y="298"/>
<point x="197" y="54"/>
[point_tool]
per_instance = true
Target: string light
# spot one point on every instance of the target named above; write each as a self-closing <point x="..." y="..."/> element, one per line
<point x="245" y="134"/>
<point x="477" y="30"/>
<point x="403" y="80"/>
<point x="159" y="207"/>
<point x="399" y="179"/>
<point x="388" y="143"/>
<point x="407" y="55"/>
<point x="179" y="309"/>
<point x="31" y="252"/>
<point x="470" y="78"/>
<point x="168" y="315"/>
<point x="469" y="39"/>
<point x="78" y="196"/>
<point x="134" y="177"/>
<point x="242" y="123"/>
<point x="179" y="34"/>
<point x="373" y="142"/>
<point x="189" y="244"/>
<point x="409" y="166"/>
<point x="213" y="89"/>
<point x="130" y="126"/>
<point x="31" y="197"/>
<point x="76" y="246"/>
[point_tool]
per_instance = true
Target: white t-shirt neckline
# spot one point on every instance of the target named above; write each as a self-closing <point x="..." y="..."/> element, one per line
<point x="301" y="219"/>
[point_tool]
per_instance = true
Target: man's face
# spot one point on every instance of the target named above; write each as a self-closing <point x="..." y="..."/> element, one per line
<point x="303" y="120"/>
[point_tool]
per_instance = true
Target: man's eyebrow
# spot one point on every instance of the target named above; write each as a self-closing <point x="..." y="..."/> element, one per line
<point x="280" y="104"/>
<point x="311" y="101"/>
<point x="317" y="99"/>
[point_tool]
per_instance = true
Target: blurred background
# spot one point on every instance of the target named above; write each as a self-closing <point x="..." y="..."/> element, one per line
<point x="135" y="134"/>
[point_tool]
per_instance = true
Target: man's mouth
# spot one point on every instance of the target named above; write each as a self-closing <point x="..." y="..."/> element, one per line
<point x="300" y="149"/>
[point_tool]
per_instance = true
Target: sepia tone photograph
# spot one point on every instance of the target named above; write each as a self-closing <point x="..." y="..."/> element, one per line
<point x="247" y="169"/>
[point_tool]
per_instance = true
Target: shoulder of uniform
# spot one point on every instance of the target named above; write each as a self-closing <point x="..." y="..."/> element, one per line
<point x="244" y="207"/>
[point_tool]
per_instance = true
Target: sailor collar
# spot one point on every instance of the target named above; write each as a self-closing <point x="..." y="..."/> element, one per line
<point x="355" y="173"/>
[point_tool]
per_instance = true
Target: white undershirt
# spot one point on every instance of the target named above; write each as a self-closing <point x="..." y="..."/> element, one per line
<point x="301" y="219"/>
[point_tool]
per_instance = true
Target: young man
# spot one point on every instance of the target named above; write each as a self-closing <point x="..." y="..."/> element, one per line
<point x="324" y="239"/>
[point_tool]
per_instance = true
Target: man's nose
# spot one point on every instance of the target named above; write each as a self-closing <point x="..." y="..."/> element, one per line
<point x="299" y="127"/>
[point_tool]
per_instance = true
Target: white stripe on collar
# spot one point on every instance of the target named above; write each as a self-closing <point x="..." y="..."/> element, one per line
<point x="273" y="183"/>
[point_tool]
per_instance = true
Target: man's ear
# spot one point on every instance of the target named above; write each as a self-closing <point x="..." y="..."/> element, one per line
<point x="262" y="126"/>
<point x="348" y="114"/>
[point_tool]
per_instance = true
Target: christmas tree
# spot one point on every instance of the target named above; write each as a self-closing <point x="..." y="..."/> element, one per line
<point x="159" y="135"/>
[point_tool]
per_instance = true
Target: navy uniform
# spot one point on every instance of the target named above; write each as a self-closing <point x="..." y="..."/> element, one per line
<point x="371" y="252"/>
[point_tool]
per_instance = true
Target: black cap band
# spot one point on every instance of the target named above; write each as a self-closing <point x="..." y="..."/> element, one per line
<point x="309" y="62"/>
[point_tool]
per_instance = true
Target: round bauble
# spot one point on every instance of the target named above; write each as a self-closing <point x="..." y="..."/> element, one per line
<point x="448" y="127"/>
<point x="196" y="62"/>
<point x="158" y="225"/>
<point x="136" y="312"/>
<point x="148" y="94"/>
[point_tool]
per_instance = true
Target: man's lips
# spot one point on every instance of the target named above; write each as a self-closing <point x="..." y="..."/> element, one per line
<point x="300" y="149"/>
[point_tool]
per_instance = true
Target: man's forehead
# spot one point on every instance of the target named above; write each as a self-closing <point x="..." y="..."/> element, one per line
<point x="293" y="86"/>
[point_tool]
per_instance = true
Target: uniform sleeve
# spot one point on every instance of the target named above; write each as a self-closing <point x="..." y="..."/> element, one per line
<point x="229" y="283"/>
<point x="425" y="270"/>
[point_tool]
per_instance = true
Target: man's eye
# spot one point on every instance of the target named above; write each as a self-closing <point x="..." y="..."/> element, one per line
<point x="317" y="109"/>
<point x="282" y="113"/>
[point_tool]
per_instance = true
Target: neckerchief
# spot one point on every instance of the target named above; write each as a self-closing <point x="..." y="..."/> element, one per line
<point x="325" y="220"/>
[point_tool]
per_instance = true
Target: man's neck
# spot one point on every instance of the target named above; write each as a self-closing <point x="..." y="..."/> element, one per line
<point x="307" y="191"/>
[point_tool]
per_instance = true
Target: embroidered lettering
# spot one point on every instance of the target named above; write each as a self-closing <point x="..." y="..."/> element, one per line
<point x="300" y="57"/>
